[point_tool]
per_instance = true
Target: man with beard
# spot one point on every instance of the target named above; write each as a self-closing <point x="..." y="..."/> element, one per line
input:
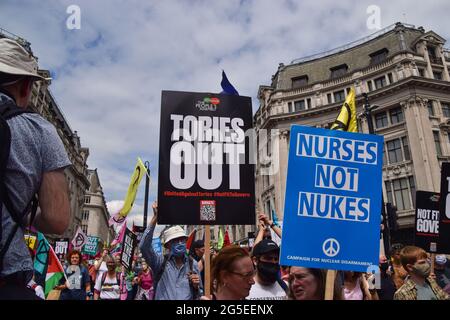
<point x="268" y="284"/>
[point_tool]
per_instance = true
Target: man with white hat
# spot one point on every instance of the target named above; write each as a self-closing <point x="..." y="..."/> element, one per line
<point x="32" y="160"/>
<point x="176" y="276"/>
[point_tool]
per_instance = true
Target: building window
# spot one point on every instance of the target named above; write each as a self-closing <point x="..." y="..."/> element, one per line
<point x="398" y="150"/>
<point x="401" y="193"/>
<point x="445" y="109"/>
<point x="308" y="103"/>
<point x="290" y="107"/>
<point x="380" y="82"/>
<point x="422" y="72"/>
<point x="378" y="56"/>
<point x="299" y="105"/>
<point x="87" y="199"/>
<point x="339" y="96"/>
<point x="299" y="82"/>
<point x="430" y="108"/>
<point x="391" y="79"/>
<point x="394" y="151"/>
<point x="396" y="115"/>
<point x="381" y="120"/>
<point x="412" y="186"/>
<point x="369" y="85"/>
<point x="84" y="229"/>
<point x="437" y="142"/>
<point x="85" y="215"/>
<point x="329" y="98"/>
<point x="338" y="71"/>
<point x="437" y="75"/>
<point x="405" y="145"/>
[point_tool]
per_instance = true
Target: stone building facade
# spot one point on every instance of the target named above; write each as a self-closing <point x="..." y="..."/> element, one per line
<point x="405" y="72"/>
<point x="95" y="215"/>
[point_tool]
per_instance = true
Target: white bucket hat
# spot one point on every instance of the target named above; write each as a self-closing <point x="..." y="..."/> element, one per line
<point x="15" y="60"/>
<point x="173" y="233"/>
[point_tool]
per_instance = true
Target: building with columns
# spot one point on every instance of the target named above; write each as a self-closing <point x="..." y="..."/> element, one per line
<point x="405" y="72"/>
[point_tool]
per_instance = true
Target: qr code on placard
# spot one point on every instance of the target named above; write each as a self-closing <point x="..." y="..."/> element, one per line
<point x="207" y="210"/>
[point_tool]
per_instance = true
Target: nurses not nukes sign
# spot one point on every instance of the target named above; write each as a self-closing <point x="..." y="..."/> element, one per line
<point x="205" y="175"/>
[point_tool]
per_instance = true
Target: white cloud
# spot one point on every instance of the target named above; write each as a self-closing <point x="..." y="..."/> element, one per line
<point x="109" y="74"/>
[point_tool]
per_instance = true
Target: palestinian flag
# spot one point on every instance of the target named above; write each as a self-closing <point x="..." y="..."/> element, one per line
<point x="190" y="240"/>
<point x="55" y="272"/>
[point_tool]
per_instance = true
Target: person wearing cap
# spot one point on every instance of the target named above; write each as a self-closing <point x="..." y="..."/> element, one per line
<point x="268" y="284"/>
<point x="36" y="164"/>
<point x="442" y="271"/>
<point x="176" y="276"/>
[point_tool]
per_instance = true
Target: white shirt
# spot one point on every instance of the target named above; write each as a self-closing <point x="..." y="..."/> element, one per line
<point x="110" y="288"/>
<point x="272" y="292"/>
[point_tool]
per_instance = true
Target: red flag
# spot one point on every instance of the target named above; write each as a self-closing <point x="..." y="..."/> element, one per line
<point x="190" y="240"/>
<point x="226" y="240"/>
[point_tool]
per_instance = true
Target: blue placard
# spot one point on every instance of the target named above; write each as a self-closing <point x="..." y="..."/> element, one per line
<point x="332" y="211"/>
<point x="156" y="242"/>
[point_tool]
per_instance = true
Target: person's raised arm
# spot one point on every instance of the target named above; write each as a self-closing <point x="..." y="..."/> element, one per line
<point x="153" y="259"/>
<point x="54" y="214"/>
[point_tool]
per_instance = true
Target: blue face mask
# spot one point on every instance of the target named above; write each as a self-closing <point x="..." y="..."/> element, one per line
<point x="179" y="249"/>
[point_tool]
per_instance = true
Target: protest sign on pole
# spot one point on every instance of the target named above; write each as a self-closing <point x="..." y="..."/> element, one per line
<point x="61" y="248"/>
<point x="128" y="247"/>
<point x="79" y="239"/>
<point x="426" y="235"/>
<point x="91" y="246"/>
<point x="205" y="172"/>
<point x="333" y="200"/>
<point x="444" y="216"/>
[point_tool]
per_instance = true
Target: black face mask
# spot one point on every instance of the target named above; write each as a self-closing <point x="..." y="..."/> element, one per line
<point x="384" y="266"/>
<point x="268" y="272"/>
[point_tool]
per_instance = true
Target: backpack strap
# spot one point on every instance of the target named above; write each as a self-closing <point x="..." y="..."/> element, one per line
<point x="283" y="285"/>
<point x="9" y="110"/>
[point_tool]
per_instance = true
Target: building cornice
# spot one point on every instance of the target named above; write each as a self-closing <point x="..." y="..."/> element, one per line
<point x="406" y="83"/>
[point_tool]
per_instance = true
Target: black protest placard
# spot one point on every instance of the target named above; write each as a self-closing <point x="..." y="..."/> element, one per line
<point x="426" y="235"/>
<point x="61" y="247"/>
<point x="128" y="247"/>
<point x="206" y="172"/>
<point x="444" y="219"/>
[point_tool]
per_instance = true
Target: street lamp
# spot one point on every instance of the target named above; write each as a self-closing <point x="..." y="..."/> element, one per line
<point x="147" y="183"/>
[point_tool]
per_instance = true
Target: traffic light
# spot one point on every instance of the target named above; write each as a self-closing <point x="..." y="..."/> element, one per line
<point x="392" y="217"/>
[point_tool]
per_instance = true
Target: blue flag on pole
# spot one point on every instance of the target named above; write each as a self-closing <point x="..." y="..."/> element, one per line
<point x="227" y="86"/>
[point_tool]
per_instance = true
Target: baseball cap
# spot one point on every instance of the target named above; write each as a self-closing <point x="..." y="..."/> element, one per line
<point x="265" y="246"/>
<point x="16" y="60"/>
<point x="197" y="244"/>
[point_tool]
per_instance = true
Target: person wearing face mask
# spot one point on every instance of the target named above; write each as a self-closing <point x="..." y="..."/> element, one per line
<point x="176" y="275"/>
<point x="418" y="285"/>
<point x="387" y="285"/>
<point x="268" y="284"/>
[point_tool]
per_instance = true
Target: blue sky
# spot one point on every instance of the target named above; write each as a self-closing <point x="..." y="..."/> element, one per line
<point x="108" y="75"/>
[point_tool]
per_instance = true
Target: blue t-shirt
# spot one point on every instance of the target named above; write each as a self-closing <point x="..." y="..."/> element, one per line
<point x="78" y="278"/>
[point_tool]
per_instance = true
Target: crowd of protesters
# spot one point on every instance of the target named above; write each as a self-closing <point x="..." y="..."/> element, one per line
<point x="242" y="273"/>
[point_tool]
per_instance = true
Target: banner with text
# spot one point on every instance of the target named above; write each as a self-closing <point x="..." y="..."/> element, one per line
<point x="91" y="246"/>
<point x="444" y="216"/>
<point x="128" y="247"/>
<point x="61" y="248"/>
<point x="205" y="172"/>
<point x="333" y="200"/>
<point x="426" y="235"/>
